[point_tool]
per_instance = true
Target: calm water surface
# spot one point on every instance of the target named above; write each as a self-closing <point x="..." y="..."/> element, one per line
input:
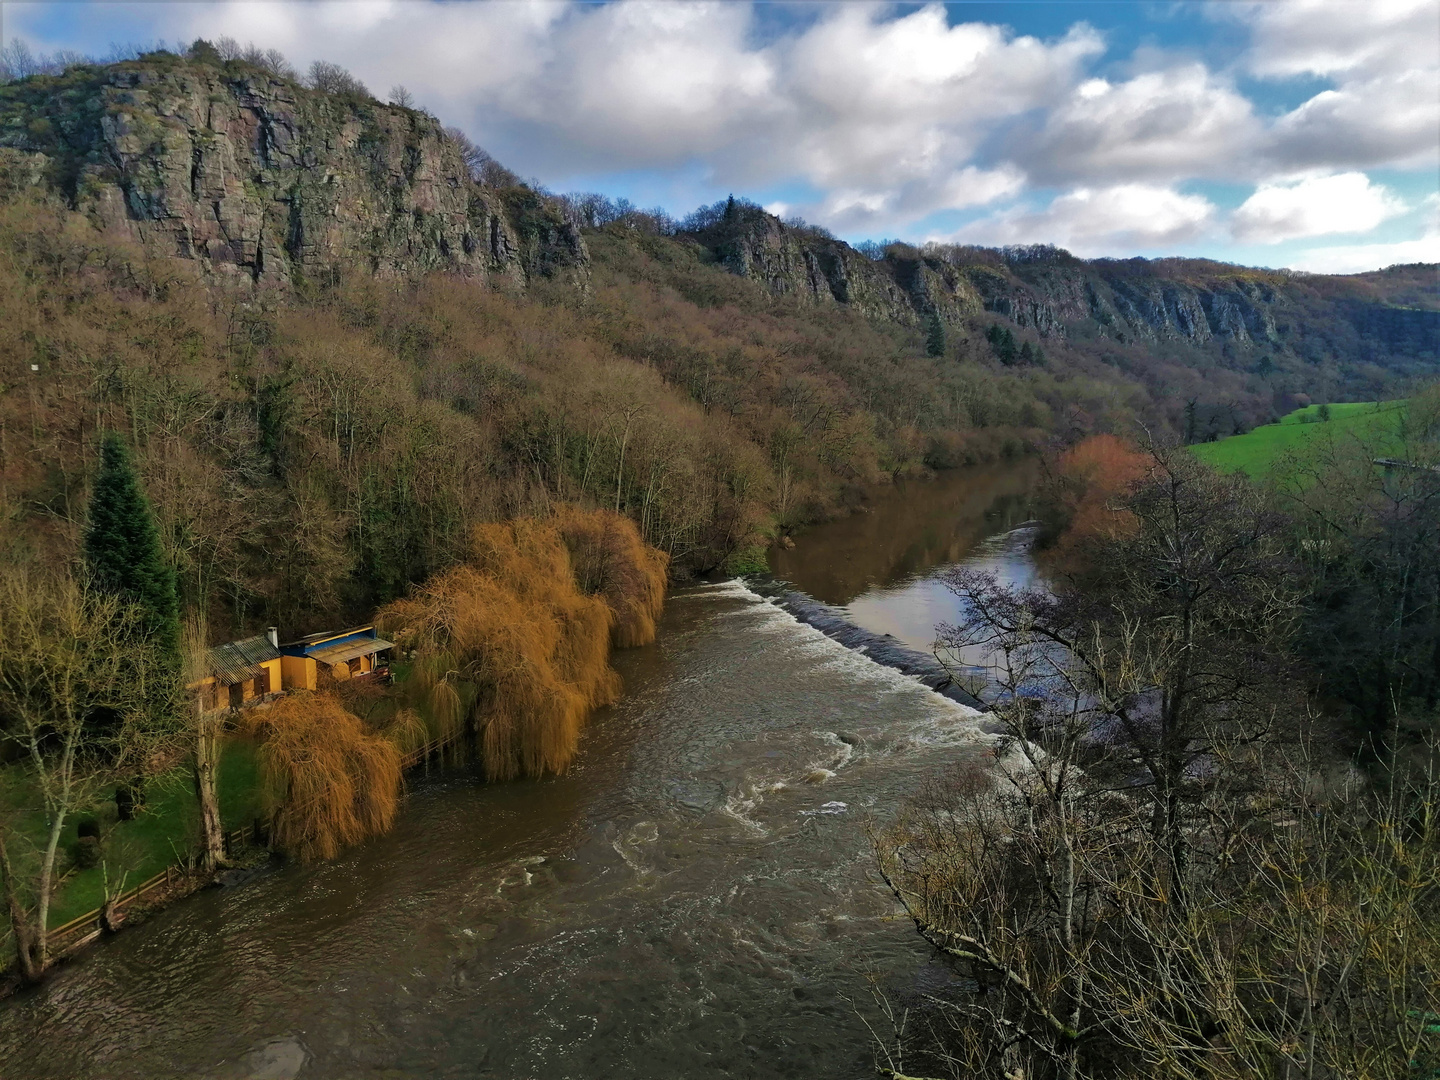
<point x="879" y="566"/>
<point x="694" y="899"/>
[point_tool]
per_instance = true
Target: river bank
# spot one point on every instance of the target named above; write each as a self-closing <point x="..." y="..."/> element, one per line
<point x="693" y="897"/>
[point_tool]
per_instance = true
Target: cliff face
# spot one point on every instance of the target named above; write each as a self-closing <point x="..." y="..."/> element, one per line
<point x="262" y="181"/>
<point x="1055" y="294"/>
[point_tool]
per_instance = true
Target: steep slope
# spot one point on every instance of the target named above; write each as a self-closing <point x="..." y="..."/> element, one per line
<point x="261" y="181"/>
<point x="1392" y="317"/>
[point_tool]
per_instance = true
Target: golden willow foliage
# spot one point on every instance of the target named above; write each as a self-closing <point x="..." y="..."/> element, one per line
<point x="330" y="781"/>
<point x="609" y="559"/>
<point x="528" y="621"/>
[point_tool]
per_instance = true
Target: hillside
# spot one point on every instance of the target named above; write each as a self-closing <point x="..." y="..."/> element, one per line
<point x="335" y="342"/>
<point x="260" y="181"/>
<point x="1299" y="435"/>
<point x="1390" y="315"/>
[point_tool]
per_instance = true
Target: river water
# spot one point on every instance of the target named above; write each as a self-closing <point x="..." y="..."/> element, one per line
<point x="694" y="898"/>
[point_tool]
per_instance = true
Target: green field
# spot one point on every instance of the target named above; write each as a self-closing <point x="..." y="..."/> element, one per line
<point x="160" y="834"/>
<point x="1299" y="435"/>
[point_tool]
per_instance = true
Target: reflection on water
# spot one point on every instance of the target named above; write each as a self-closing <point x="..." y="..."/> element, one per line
<point x="880" y="565"/>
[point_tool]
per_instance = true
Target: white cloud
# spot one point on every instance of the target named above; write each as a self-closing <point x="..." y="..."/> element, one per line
<point x="882" y="211"/>
<point x="1383" y="57"/>
<point x="1100" y="221"/>
<point x="1315" y="206"/>
<point x="1340" y="37"/>
<point x="1357" y="258"/>
<point x="1161" y="125"/>
<point x="1392" y="119"/>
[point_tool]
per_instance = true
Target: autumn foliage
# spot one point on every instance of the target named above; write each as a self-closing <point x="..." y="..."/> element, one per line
<point x="524" y="627"/>
<point x="329" y="779"/>
<point x="1089" y="478"/>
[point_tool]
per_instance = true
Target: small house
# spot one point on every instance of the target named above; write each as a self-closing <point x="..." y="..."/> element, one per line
<point x="356" y="653"/>
<point x="240" y="672"/>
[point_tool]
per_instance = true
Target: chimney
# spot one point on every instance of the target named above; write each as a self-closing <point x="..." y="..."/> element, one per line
<point x="273" y="633"/>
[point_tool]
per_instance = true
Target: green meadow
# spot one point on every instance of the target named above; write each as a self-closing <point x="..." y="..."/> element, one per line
<point x="1299" y="435"/>
<point x="162" y="831"/>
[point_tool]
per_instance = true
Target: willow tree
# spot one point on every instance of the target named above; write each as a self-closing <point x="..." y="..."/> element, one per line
<point x="525" y="624"/>
<point x="76" y="681"/>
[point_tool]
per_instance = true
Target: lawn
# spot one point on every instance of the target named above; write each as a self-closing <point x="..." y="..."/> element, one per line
<point x="1299" y="435"/>
<point x="160" y="833"/>
<point x="164" y="830"/>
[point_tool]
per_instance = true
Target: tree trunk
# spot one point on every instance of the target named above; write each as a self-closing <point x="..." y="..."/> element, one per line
<point x="204" y="764"/>
<point x="26" y="953"/>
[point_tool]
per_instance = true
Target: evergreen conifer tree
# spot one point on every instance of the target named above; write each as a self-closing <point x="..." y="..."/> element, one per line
<point x="122" y="548"/>
<point x="1006" y="348"/>
<point x="935" y="336"/>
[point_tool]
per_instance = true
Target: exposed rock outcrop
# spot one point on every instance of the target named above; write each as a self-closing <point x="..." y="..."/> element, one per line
<point x="1049" y="291"/>
<point x="260" y="180"/>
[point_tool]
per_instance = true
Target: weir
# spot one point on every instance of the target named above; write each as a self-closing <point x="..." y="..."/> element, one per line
<point x="884" y="649"/>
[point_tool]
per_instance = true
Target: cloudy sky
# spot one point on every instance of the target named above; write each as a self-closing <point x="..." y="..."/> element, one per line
<point x="1302" y="133"/>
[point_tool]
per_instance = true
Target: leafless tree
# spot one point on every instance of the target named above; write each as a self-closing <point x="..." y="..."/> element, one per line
<point x="75" y="686"/>
<point x="1160" y="875"/>
<point x="207" y="727"/>
<point x="331" y="78"/>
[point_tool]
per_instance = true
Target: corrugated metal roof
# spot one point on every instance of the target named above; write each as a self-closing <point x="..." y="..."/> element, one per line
<point x="349" y="650"/>
<point x="327" y="635"/>
<point x="236" y="661"/>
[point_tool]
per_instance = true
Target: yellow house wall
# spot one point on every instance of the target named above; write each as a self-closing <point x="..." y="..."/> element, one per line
<point x="366" y="664"/>
<point x="297" y="672"/>
<point x="273" y="669"/>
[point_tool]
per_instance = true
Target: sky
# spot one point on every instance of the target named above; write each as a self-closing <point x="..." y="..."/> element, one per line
<point x="1299" y="133"/>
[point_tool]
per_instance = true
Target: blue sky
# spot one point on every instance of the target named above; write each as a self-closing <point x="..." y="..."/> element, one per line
<point x="1302" y="133"/>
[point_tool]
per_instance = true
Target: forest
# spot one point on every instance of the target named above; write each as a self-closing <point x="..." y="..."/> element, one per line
<point x="1212" y="852"/>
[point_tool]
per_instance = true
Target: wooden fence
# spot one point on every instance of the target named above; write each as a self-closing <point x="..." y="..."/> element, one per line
<point x="83" y="929"/>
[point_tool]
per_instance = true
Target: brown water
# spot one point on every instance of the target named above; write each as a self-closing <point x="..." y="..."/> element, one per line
<point x="879" y="566"/>
<point x="682" y="904"/>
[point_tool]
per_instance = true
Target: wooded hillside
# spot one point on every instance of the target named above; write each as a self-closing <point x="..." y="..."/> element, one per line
<point x="326" y="386"/>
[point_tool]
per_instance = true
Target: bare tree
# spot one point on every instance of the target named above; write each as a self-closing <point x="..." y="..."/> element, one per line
<point x="1003" y="870"/>
<point x="74" y="686"/>
<point x="331" y="78"/>
<point x="402" y="97"/>
<point x="207" y="727"/>
<point x="1159" y="877"/>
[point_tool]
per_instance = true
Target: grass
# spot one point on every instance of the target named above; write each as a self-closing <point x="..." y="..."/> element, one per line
<point x="159" y="834"/>
<point x="1298" y="435"/>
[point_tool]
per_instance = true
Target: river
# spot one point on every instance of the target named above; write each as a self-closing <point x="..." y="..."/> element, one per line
<point x="694" y="898"/>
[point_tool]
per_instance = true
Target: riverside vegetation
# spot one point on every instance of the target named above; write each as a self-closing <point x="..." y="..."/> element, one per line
<point x="501" y="418"/>
<point x="1207" y="844"/>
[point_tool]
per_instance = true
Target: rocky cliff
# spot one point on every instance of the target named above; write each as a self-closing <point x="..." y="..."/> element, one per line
<point x="262" y="181"/>
<point x="1054" y="294"/>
